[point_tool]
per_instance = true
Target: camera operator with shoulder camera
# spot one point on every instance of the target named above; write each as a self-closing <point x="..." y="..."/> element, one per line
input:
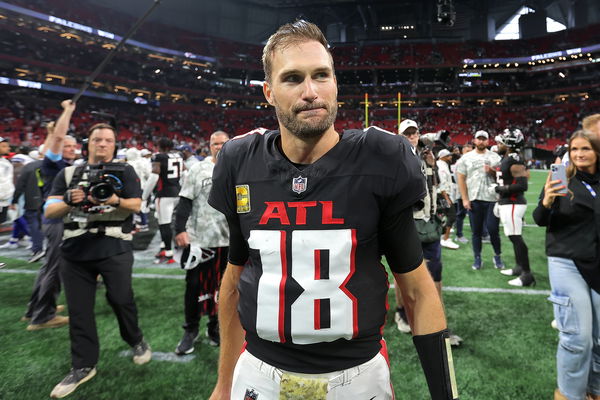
<point x="427" y="221"/>
<point x="96" y="201"/>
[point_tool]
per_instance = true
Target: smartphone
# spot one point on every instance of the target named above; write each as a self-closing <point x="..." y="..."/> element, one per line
<point x="559" y="171"/>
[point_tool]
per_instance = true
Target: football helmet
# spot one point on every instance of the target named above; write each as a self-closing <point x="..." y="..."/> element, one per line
<point x="194" y="255"/>
<point x="511" y="138"/>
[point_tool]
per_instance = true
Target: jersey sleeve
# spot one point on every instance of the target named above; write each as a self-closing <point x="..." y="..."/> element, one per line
<point x="409" y="184"/>
<point x="399" y="241"/>
<point x="222" y="195"/>
<point x="131" y="186"/>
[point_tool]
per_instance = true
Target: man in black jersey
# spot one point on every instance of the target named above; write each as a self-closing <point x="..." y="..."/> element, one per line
<point x="166" y="171"/>
<point x="512" y="185"/>
<point x="310" y="213"/>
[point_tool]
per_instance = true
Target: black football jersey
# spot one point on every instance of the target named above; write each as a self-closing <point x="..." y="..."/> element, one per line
<point x="171" y="165"/>
<point x="504" y="177"/>
<point x="313" y="293"/>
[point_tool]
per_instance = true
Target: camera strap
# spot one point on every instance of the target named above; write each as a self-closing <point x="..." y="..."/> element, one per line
<point x="73" y="175"/>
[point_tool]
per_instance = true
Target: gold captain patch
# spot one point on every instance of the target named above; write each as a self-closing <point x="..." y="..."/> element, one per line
<point x="242" y="198"/>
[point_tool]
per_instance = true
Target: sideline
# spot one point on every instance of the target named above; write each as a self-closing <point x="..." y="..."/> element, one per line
<point x="446" y="288"/>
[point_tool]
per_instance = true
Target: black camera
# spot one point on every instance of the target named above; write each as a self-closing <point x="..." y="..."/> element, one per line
<point x="99" y="181"/>
<point x="434" y="141"/>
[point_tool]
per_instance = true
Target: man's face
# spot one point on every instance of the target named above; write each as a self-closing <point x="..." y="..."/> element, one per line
<point x="481" y="143"/>
<point x="216" y="143"/>
<point x="502" y="149"/>
<point x="69" y="148"/>
<point x="303" y="89"/>
<point x="412" y="134"/>
<point x="102" y="145"/>
<point x="4" y="148"/>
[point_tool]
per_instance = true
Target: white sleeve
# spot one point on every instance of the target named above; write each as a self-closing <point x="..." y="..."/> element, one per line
<point x="149" y="186"/>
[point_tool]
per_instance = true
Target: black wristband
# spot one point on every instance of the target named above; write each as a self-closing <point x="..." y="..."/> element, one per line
<point x="68" y="199"/>
<point x="438" y="367"/>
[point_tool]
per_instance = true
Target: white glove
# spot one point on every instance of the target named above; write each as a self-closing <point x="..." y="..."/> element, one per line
<point x="144" y="208"/>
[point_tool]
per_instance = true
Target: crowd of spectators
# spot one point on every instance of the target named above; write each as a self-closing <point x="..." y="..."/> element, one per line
<point x="22" y="120"/>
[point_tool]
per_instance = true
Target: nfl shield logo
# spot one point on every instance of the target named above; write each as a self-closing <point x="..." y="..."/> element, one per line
<point x="299" y="184"/>
<point x="251" y="395"/>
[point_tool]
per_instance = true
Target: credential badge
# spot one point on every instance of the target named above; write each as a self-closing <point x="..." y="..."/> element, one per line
<point x="242" y="198"/>
<point x="299" y="184"/>
<point x="250" y="395"/>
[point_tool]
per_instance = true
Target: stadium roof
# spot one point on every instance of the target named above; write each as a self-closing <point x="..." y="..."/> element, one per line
<point x="354" y="20"/>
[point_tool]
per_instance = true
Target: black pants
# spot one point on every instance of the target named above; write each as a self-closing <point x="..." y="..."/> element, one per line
<point x="79" y="280"/>
<point x="42" y="304"/>
<point x="201" y="288"/>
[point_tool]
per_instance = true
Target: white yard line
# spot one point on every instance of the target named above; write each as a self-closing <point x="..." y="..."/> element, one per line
<point x="446" y="288"/>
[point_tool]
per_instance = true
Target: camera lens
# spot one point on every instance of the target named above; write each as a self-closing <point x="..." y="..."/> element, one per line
<point x="102" y="192"/>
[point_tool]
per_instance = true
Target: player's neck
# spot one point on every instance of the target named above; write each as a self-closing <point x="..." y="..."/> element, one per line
<point x="303" y="151"/>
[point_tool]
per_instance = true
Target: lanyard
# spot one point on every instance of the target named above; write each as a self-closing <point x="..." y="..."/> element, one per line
<point x="590" y="188"/>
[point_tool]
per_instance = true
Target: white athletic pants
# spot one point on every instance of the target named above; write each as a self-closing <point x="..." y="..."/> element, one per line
<point x="370" y="380"/>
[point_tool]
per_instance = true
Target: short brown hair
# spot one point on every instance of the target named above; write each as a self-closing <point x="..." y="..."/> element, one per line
<point x="102" y="125"/>
<point x="296" y="32"/>
<point x="590" y="121"/>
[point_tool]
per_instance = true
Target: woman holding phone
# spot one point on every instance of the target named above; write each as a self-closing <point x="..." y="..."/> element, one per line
<point x="572" y="222"/>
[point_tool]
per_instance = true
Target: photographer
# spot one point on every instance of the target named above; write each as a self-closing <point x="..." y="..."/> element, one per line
<point x="427" y="222"/>
<point x="96" y="201"/>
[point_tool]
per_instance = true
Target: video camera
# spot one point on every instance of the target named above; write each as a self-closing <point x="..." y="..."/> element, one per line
<point x="435" y="140"/>
<point x="101" y="182"/>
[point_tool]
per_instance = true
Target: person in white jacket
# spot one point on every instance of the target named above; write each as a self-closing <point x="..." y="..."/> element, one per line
<point x="447" y="191"/>
<point x="143" y="169"/>
<point x="7" y="185"/>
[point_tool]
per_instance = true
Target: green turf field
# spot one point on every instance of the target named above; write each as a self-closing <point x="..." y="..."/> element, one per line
<point x="507" y="353"/>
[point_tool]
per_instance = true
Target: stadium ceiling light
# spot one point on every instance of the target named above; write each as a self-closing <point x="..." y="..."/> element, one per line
<point x="199" y="77"/>
<point x="464" y="66"/>
<point x="496" y="65"/>
<point x="157" y="71"/>
<point x="561" y="75"/>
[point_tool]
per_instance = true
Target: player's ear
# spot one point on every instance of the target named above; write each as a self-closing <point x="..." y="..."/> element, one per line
<point x="267" y="92"/>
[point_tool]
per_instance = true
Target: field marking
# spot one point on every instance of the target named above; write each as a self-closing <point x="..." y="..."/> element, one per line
<point x="147" y="276"/>
<point x="162" y="356"/>
<point x="446" y="288"/>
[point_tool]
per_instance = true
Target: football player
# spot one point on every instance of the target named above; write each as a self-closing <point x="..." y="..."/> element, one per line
<point x="512" y="184"/>
<point x="203" y="234"/>
<point x="310" y="212"/>
<point x="166" y="172"/>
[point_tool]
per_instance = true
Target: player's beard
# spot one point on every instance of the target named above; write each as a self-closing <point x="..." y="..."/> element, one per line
<point x="309" y="129"/>
<point x="481" y="147"/>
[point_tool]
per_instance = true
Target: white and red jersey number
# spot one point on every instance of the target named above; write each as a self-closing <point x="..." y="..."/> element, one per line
<point x="324" y="292"/>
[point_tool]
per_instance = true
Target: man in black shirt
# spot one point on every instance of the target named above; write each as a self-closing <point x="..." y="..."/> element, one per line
<point x="96" y="241"/>
<point x="512" y="184"/>
<point x="310" y="213"/>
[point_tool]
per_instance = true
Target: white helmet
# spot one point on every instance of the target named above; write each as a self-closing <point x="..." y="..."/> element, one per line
<point x="513" y="139"/>
<point x="194" y="255"/>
